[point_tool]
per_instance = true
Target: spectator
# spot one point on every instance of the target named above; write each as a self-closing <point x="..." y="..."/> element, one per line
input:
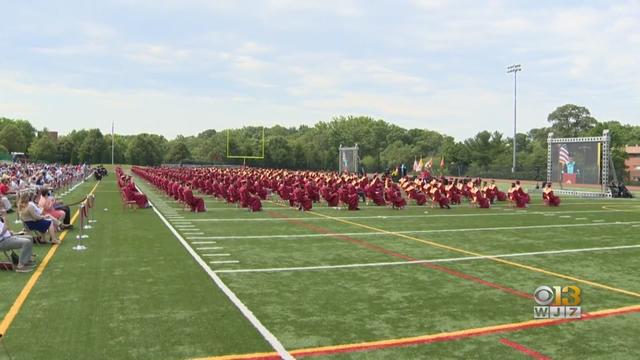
<point x="5" y="204"/>
<point x="47" y="203"/>
<point x="33" y="218"/>
<point x="9" y="241"/>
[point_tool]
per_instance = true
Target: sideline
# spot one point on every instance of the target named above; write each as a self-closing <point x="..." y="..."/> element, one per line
<point x="22" y="297"/>
<point x="432" y="338"/>
<point x="281" y="351"/>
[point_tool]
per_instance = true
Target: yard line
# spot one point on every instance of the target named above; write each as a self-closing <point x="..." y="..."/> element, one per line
<point x="216" y="254"/>
<point x="225" y="262"/>
<point x="472" y="253"/>
<point x="266" y="334"/>
<point x="293" y="236"/>
<point x="210" y="248"/>
<point x="524" y="350"/>
<point x="383" y="217"/>
<point x="203" y="242"/>
<point x="456" y="259"/>
<point x="194" y="233"/>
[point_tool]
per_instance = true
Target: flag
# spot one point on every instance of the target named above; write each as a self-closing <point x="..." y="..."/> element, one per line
<point x="442" y="163"/>
<point x="429" y="164"/>
<point x="564" y="156"/>
<point x="415" y="165"/>
<point x="420" y="164"/>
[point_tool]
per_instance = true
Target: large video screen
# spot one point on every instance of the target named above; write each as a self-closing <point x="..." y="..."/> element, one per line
<point x="576" y="163"/>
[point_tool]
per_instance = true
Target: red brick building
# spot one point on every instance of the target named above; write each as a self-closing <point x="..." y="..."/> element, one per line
<point x="633" y="162"/>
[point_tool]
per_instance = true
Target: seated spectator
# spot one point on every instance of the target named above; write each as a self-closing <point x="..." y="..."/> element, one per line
<point x="5" y="204"/>
<point x="9" y="241"/>
<point x="34" y="219"/>
<point x="47" y="203"/>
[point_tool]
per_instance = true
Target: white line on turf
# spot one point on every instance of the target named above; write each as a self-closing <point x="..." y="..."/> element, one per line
<point x="293" y="236"/>
<point x="203" y="242"/>
<point x="232" y="262"/>
<point x="392" y="217"/>
<point x="216" y="254"/>
<point x="271" y="339"/>
<point x="466" y="258"/>
<point x="210" y="248"/>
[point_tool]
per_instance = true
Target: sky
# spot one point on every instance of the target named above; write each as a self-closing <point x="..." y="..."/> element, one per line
<point x="183" y="66"/>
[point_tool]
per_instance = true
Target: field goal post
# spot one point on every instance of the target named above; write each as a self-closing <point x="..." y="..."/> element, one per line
<point x="348" y="159"/>
<point x="245" y="157"/>
<point x="571" y="161"/>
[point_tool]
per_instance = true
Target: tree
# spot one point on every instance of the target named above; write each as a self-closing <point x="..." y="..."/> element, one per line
<point x="396" y="154"/>
<point x="43" y="149"/>
<point x="11" y="137"/>
<point x="92" y="147"/>
<point x="146" y="149"/>
<point x="278" y="152"/>
<point x="178" y="152"/>
<point x="571" y="120"/>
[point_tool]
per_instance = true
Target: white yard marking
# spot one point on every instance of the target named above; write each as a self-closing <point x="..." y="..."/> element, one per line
<point x="516" y="213"/>
<point x="377" y="233"/>
<point x="581" y="218"/>
<point x="465" y="258"/>
<point x="210" y="248"/>
<point x="224" y="262"/>
<point x="248" y="314"/>
<point x="216" y="254"/>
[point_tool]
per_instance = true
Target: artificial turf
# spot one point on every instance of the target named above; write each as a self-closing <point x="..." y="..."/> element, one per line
<point x="136" y="292"/>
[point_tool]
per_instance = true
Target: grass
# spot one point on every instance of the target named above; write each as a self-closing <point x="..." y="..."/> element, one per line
<point x="137" y="293"/>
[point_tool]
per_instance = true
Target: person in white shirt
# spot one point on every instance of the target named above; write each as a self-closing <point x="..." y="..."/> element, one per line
<point x="9" y="241"/>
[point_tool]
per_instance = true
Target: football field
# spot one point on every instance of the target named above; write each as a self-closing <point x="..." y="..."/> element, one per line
<point x="416" y="283"/>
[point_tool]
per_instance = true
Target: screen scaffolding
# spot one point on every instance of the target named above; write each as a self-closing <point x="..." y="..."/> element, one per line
<point x="348" y="159"/>
<point x="577" y="163"/>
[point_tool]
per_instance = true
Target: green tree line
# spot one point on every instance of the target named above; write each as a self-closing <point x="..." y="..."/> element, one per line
<point x="382" y="145"/>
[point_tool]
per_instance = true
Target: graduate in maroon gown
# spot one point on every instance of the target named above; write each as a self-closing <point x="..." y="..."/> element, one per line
<point x="132" y="194"/>
<point x="195" y="203"/>
<point x="523" y="194"/>
<point x="478" y="199"/>
<point x="437" y="197"/>
<point x="394" y="196"/>
<point x="301" y="199"/>
<point x="500" y="195"/>
<point x="453" y="193"/>
<point x="516" y="199"/>
<point x="549" y="197"/>
<point x="352" y="198"/>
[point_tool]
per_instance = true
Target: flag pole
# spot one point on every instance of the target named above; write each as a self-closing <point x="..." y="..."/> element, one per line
<point x="112" y="142"/>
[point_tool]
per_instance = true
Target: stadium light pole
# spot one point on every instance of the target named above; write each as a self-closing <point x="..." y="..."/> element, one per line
<point x="514" y="69"/>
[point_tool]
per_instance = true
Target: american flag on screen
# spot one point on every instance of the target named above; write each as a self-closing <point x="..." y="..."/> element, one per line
<point x="563" y="156"/>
